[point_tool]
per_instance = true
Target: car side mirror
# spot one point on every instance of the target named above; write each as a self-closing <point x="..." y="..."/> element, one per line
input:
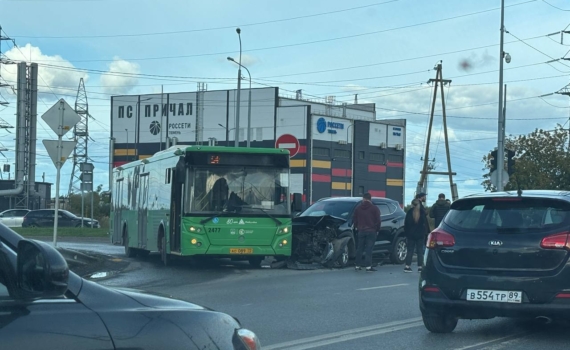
<point x="42" y="271"/>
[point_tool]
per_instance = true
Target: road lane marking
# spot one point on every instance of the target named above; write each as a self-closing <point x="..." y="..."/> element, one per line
<point x="390" y="286"/>
<point x="506" y="338"/>
<point x="507" y="344"/>
<point x="350" y="334"/>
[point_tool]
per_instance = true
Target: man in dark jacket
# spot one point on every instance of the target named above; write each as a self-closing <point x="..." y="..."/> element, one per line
<point x="416" y="229"/>
<point x="439" y="209"/>
<point x="367" y="223"/>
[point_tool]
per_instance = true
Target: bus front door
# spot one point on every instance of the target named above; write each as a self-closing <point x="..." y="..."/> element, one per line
<point x="143" y="210"/>
<point x="117" y="209"/>
<point x="176" y="208"/>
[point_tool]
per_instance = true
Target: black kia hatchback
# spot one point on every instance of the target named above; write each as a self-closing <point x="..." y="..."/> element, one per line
<point x="499" y="254"/>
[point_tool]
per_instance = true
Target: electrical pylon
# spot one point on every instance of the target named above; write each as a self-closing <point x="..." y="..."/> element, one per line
<point x="81" y="136"/>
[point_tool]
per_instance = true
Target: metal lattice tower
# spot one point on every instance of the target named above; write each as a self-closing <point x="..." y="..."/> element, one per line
<point x="200" y="113"/>
<point x="81" y="136"/>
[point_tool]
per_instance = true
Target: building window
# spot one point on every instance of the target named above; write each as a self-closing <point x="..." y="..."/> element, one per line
<point x="361" y="155"/>
<point x="341" y="153"/>
<point x="258" y="134"/>
<point x="321" y="152"/>
<point x="241" y="134"/>
<point x="360" y="190"/>
<point x="395" y="158"/>
<point x="377" y="157"/>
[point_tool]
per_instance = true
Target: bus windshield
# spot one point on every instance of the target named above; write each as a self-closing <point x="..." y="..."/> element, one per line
<point x="244" y="190"/>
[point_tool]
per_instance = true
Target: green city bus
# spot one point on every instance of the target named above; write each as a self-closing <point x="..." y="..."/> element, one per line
<point x="204" y="201"/>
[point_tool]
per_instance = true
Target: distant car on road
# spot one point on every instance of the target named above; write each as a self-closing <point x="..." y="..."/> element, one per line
<point x="498" y="255"/>
<point x="389" y="242"/>
<point x="13" y="217"/>
<point x="46" y="217"/>
<point x="45" y="306"/>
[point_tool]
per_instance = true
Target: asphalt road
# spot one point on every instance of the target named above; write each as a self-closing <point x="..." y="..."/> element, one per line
<point x="325" y="309"/>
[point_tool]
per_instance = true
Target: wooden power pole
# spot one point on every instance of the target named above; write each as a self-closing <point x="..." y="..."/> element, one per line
<point x="427" y="169"/>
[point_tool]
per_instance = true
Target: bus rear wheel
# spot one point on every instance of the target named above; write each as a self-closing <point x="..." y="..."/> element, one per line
<point x="129" y="252"/>
<point x="162" y="247"/>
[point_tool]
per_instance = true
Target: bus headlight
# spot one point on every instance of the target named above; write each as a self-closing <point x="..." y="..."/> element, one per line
<point x="284" y="230"/>
<point x="194" y="229"/>
<point x="283" y="243"/>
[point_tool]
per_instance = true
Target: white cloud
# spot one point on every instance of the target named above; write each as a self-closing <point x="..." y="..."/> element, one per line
<point x="56" y="75"/>
<point x="471" y="182"/>
<point x="121" y="77"/>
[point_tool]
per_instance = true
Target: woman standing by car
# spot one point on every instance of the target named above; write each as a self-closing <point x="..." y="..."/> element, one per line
<point x="416" y="227"/>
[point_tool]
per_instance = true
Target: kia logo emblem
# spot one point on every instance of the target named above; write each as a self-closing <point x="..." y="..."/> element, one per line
<point x="495" y="243"/>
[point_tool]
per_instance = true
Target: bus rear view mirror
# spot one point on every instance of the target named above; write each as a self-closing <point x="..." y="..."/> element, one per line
<point x="297" y="202"/>
<point x="180" y="172"/>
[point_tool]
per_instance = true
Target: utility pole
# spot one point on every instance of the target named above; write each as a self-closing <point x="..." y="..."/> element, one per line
<point x="566" y="91"/>
<point x="501" y="127"/>
<point x="427" y="169"/>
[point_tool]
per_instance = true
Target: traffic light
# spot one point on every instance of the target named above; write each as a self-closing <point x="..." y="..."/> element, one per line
<point x="510" y="162"/>
<point x="494" y="160"/>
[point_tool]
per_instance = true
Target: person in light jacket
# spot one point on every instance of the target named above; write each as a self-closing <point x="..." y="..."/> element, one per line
<point x="416" y="228"/>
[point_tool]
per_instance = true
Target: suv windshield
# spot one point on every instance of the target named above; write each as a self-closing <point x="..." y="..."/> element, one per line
<point x="340" y="209"/>
<point x="517" y="215"/>
<point x="242" y="189"/>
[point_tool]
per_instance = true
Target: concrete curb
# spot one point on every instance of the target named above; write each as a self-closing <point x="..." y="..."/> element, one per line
<point x="76" y="257"/>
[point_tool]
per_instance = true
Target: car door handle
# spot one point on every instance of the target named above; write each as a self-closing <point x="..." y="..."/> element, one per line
<point x="395" y="220"/>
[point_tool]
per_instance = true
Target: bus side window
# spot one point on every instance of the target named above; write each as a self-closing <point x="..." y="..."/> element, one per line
<point x="168" y="177"/>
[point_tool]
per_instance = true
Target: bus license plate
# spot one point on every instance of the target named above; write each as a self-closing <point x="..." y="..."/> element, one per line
<point x="241" y="250"/>
<point x="497" y="296"/>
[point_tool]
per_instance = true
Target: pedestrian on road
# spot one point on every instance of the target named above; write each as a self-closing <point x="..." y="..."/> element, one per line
<point x="439" y="209"/>
<point x="416" y="228"/>
<point x="367" y="223"/>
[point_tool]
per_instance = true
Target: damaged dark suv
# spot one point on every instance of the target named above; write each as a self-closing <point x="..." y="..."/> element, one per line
<point x="323" y="234"/>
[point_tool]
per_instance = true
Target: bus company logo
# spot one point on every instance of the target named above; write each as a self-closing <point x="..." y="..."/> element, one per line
<point x="241" y="222"/>
<point x="154" y="128"/>
<point x="321" y="125"/>
<point x="233" y="231"/>
<point x="215" y="220"/>
<point x="230" y="221"/>
<point x="242" y="232"/>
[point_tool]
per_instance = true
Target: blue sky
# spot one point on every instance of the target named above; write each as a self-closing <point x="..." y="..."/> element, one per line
<point x="383" y="50"/>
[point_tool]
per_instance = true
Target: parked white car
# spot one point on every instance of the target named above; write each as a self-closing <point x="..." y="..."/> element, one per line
<point x="13" y="217"/>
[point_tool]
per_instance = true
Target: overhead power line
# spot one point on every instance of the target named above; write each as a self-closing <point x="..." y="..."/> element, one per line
<point x="203" y="29"/>
<point x="309" y="42"/>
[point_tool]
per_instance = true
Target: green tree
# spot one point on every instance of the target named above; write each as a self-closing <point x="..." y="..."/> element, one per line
<point x="101" y="204"/>
<point x="542" y="161"/>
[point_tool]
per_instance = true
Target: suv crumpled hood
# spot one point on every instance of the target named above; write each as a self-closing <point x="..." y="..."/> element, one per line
<point x="300" y="223"/>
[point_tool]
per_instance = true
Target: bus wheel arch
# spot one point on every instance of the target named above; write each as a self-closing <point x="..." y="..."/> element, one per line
<point x="161" y="244"/>
<point x="129" y="252"/>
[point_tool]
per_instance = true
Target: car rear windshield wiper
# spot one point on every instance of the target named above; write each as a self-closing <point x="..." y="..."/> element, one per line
<point x="266" y="213"/>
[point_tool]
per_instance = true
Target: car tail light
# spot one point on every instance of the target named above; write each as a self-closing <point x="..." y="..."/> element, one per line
<point x="440" y="238"/>
<point x="431" y="289"/>
<point x="556" y="241"/>
<point x="247" y="340"/>
<point x="563" y="295"/>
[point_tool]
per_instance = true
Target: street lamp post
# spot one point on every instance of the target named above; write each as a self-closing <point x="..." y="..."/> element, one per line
<point x="249" y="103"/>
<point x="227" y="131"/>
<point x="238" y="31"/>
<point x="501" y="127"/>
<point x="128" y="145"/>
